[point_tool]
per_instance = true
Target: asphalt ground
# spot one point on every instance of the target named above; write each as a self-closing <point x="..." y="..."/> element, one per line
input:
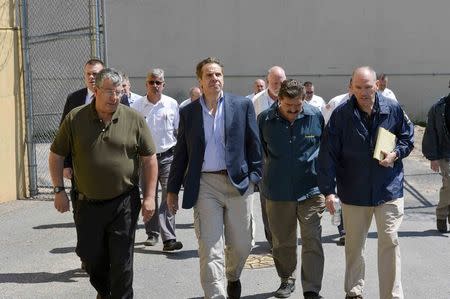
<point x="37" y="258"/>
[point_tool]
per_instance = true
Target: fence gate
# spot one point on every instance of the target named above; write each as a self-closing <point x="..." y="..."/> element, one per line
<point x="58" y="38"/>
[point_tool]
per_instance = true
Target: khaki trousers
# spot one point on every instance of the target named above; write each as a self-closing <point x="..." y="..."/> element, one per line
<point x="223" y="223"/>
<point x="357" y="220"/>
<point x="443" y="207"/>
<point x="283" y="217"/>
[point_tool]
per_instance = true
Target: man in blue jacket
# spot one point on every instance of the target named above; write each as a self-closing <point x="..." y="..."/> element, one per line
<point x="367" y="187"/>
<point x="290" y="133"/>
<point x="436" y="148"/>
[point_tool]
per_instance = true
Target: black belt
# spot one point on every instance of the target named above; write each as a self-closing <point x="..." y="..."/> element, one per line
<point x="222" y="172"/>
<point x="166" y="153"/>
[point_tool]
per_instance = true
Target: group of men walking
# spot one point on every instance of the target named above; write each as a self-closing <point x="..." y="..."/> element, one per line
<point x="219" y="148"/>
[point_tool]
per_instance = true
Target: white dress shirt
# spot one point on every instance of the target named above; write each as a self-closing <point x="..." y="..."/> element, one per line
<point x="162" y="119"/>
<point x="389" y="94"/>
<point x="328" y="109"/>
<point x="133" y="97"/>
<point x="262" y="101"/>
<point x="89" y="96"/>
<point x="316" y="101"/>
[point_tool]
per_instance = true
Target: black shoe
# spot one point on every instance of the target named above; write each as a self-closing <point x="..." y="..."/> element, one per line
<point x="354" y="297"/>
<point x="441" y="225"/>
<point x="286" y="289"/>
<point x="341" y="241"/>
<point x="234" y="289"/>
<point x="171" y="245"/>
<point x="83" y="266"/>
<point x="311" y="295"/>
<point x="151" y="241"/>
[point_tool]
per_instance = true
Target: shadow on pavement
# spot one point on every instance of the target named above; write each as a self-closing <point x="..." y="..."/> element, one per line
<point x="55" y="225"/>
<point x="416" y="194"/>
<point x="62" y="250"/>
<point x="173" y="255"/>
<point x="42" y="277"/>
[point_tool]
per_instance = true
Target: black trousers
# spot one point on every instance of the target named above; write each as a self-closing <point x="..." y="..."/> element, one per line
<point x="106" y="231"/>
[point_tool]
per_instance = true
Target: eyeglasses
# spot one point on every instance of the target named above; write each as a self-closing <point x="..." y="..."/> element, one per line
<point x="113" y="93"/>
<point x="158" y="83"/>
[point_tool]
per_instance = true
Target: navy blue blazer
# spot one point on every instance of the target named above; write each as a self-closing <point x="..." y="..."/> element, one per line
<point x="242" y="148"/>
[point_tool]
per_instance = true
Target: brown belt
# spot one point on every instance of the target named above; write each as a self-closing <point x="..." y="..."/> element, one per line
<point x="222" y="172"/>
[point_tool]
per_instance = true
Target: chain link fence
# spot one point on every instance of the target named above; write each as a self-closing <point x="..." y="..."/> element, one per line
<point x="58" y="38"/>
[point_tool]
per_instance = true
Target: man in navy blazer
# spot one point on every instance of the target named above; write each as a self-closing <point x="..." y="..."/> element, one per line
<point x="218" y="160"/>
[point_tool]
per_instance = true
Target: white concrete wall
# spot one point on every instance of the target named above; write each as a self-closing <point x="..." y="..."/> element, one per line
<point x="320" y="40"/>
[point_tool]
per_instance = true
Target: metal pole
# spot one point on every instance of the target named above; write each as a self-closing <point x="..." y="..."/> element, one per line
<point x="93" y="27"/>
<point x="31" y="147"/>
<point x="105" y="40"/>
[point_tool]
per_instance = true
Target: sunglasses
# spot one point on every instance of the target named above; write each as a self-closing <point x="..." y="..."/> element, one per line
<point x="158" y="83"/>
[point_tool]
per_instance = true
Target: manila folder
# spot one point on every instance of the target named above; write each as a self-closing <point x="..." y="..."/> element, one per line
<point x="385" y="142"/>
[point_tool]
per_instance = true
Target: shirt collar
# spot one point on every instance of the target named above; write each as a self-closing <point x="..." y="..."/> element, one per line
<point x="115" y="115"/>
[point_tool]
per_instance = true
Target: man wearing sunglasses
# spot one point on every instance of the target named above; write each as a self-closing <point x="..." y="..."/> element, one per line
<point x="161" y="114"/>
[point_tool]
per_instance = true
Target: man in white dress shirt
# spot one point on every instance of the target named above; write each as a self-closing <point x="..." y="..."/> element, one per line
<point x="311" y="98"/>
<point x="132" y="97"/>
<point x="262" y="101"/>
<point x="194" y="94"/>
<point x="383" y="81"/>
<point x="258" y="86"/>
<point x="162" y="117"/>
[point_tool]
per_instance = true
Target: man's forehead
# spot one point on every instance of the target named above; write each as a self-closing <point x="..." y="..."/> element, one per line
<point x="212" y="67"/>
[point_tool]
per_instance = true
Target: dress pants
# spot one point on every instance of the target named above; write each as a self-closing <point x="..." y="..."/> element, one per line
<point x="163" y="221"/>
<point x="283" y="217"/>
<point x="443" y="207"/>
<point x="223" y="223"/>
<point x="106" y="231"/>
<point x="357" y="220"/>
<point x="267" y="233"/>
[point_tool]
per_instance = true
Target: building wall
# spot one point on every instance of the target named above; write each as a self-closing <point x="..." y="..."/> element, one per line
<point x="320" y="40"/>
<point x="12" y="150"/>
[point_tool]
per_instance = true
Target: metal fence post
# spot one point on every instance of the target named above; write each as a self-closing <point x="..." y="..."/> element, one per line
<point x="31" y="147"/>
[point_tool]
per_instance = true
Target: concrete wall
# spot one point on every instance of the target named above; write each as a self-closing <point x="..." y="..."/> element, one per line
<point x="12" y="150"/>
<point x="320" y="40"/>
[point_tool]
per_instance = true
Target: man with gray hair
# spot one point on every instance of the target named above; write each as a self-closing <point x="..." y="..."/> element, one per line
<point x="107" y="180"/>
<point x="258" y="86"/>
<point x="161" y="114"/>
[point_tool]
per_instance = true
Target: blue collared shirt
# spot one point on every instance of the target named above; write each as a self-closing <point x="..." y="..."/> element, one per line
<point x="214" y="128"/>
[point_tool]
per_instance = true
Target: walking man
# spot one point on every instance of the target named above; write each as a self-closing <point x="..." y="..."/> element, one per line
<point x="436" y="148"/>
<point x="162" y="118"/>
<point x="367" y="187"/>
<point x="105" y="170"/>
<point x="218" y="160"/>
<point x="290" y="135"/>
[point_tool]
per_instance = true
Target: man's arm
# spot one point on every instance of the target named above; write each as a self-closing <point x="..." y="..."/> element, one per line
<point x="149" y="180"/>
<point x="56" y="164"/>
<point x="253" y="144"/>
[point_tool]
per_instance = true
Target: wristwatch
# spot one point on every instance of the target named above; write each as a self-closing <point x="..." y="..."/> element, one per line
<point x="58" y="189"/>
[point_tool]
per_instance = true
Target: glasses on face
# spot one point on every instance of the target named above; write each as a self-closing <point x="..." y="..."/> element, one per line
<point x="113" y="93"/>
<point x="153" y="82"/>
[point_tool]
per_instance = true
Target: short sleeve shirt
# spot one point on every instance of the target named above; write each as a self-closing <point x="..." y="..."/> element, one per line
<point x="105" y="157"/>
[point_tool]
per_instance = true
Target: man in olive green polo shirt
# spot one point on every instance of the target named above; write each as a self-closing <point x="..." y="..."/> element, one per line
<point x="108" y="141"/>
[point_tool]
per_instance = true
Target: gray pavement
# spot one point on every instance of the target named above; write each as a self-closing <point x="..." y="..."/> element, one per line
<point x="37" y="258"/>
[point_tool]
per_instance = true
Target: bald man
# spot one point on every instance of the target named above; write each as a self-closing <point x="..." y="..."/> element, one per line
<point x="366" y="186"/>
<point x="262" y="101"/>
<point x="258" y="86"/>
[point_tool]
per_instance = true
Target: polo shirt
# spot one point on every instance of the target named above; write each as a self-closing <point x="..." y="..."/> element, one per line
<point x="105" y="157"/>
